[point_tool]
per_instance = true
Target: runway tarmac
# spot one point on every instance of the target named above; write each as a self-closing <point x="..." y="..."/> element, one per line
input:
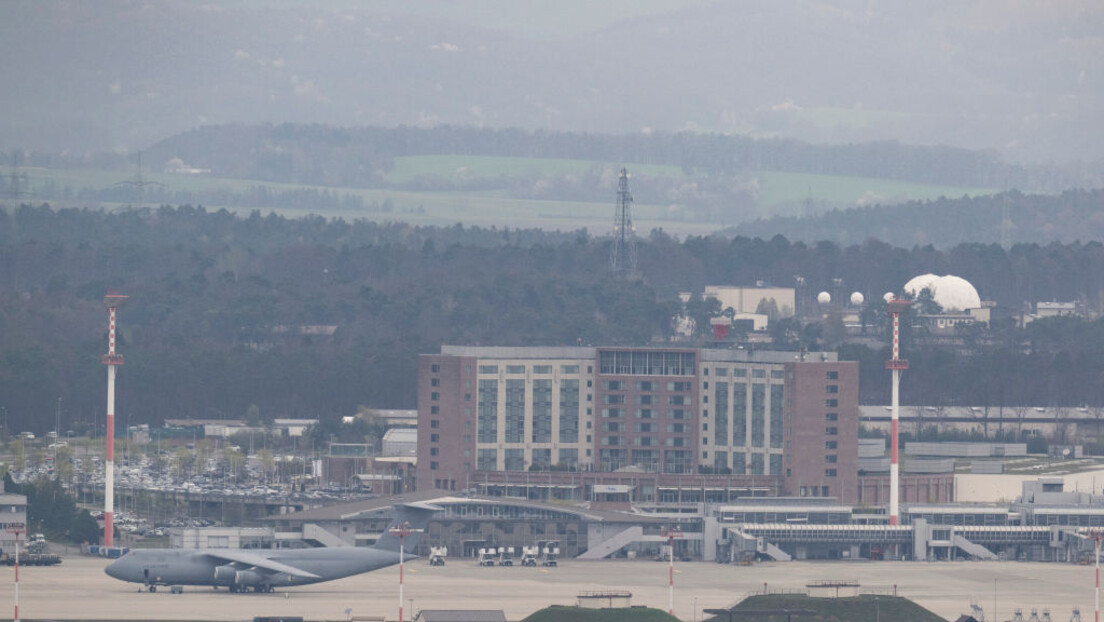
<point x="79" y="589"/>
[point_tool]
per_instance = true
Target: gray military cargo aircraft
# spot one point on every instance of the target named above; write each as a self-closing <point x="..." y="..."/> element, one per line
<point x="262" y="570"/>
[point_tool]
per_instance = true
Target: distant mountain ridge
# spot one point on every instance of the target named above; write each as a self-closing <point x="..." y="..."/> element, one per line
<point x="1022" y="78"/>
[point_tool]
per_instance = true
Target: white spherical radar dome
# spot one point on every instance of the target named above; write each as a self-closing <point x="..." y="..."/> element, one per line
<point x="889" y="297"/>
<point x="953" y="293"/>
<point x="857" y="299"/>
<point x="824" y="298"/>
<point x="918" y="283"/>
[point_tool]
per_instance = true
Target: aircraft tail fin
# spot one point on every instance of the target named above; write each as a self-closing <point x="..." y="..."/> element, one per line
<point x="412" y="515"/>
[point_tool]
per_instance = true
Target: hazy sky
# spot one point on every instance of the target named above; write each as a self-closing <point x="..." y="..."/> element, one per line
<point x="1024" y="78"/>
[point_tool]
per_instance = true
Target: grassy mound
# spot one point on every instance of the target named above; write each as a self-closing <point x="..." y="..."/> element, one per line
<point x="866" y="608"/>
<point x="559" y="613"/>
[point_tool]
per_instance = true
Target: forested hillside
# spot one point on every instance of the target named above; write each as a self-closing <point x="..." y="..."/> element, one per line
<point x="218" y="304"/>
<point x="1069" y="217"/>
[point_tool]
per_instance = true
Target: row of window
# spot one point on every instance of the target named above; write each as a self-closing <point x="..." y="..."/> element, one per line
<point x="539" y="370"/>
<point x="722" y="372"/>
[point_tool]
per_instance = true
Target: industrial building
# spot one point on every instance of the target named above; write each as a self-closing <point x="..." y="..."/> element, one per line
<point x="639" y="425"/>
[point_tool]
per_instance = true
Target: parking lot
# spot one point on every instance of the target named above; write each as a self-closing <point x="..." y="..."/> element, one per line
<point x="78" y="589"/>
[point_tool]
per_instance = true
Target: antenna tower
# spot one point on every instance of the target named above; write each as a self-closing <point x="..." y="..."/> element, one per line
<point x="20" y="185"/>
<point x="139" y="184"/>
<point x="623" y="253"/>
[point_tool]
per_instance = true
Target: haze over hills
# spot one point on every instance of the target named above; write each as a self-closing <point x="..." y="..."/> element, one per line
<point x="1021" y="78"/>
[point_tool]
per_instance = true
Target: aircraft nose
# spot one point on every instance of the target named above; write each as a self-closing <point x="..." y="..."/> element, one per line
<point x="115" y="569"/>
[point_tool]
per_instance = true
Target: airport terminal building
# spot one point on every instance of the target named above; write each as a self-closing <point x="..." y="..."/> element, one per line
<point x="649" y="425"/>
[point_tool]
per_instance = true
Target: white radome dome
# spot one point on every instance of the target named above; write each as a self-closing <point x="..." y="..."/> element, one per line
<point x="951" y="292"/>
<point x="889" y="297"/>
<point x="824" y="298"/>
<point x="857" y="299"/>
<point x="918" y="283"/>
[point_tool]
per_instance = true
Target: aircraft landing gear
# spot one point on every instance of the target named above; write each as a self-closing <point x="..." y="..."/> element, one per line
<point x="153" y="588"/>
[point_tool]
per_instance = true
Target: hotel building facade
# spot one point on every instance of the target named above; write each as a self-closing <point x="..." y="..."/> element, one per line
<point x="645" y="425"/>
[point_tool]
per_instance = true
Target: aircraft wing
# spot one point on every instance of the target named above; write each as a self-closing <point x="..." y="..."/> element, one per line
<point x="252" y="559"/>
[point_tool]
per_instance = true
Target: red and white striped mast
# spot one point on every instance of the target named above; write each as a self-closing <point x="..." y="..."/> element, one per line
<point x="1096" y="535"/>
<point x="112" y="301"/>
<point x="671" y="534"/>
<point x="895" y="307"/>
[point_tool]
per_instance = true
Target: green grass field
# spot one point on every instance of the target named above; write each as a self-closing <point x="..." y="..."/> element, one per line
<point x="407" y="168"/>
<point x="792" y="188"/>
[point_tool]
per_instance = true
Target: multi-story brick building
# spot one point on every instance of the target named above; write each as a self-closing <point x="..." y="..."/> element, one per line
<point x="656" y="423"/>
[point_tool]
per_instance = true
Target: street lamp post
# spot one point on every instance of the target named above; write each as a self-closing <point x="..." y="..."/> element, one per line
<point x="402" y="531"/>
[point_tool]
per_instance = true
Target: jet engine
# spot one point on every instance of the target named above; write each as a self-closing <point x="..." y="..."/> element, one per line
<point x="226" y="574"/>
<point x="248" y="577"/>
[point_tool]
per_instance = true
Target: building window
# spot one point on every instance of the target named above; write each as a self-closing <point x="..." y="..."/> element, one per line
<point x="488" y="369"/>
<point x="832" y="389"/>
<point x="542" y="369"/>
<point x="435" y="423"/>
<point x="720" y="371"/>
<point x="831" y="416"/>
<point x="758" y="373"/>
<point x="829" y="472"/>
<point x="705" y="385"/>
<point x="434" y="396"/>
<point x="433" y="451"/>
<point x="778" y="373"/>
<point x="831" y="431"/>
<point x="434" y="438"/>
<point x="830" y="458"/>
<point x="433" y="410"/>
<point x="432" y="466"/>
<point x="515" y="369"/>
<point x="467" y="397"/>
<point x="830" y="444"/>
<point x="434" y="382"/>
<point x="832" y="403"/>
<point x="569" y="369"/>
<point x="435" y="368"/>
<point x="739" y="373"/>
<point x="832" y="375"/>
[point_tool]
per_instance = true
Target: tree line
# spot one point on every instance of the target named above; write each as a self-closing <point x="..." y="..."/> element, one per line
<point x="313" y="317"/>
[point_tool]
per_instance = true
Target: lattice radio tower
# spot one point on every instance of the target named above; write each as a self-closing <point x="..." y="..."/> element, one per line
<point x="139" y="185"/>
<point x="623" y="253"/>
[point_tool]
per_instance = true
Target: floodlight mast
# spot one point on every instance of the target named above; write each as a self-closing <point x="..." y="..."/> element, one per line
<point x="896" y="364"/>
<point x="113" y="360"/>
<point x="402" y="531"/>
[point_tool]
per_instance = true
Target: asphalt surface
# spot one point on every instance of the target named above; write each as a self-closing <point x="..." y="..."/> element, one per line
<point x="79" y="589"/>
